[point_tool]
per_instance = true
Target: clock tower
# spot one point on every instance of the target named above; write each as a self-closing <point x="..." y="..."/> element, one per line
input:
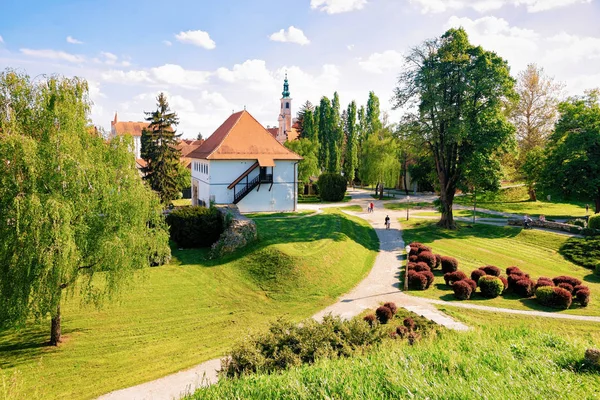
<point x="285" y="115"/>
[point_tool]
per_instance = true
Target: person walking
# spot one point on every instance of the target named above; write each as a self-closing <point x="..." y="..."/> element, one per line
<point x="372" y="206"/>
<point x="387" y="222"/>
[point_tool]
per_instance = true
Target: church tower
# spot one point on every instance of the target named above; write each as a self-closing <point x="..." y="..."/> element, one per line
<point x="285" y="115"/>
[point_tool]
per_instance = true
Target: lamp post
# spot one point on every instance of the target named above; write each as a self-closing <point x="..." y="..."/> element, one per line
<point x="407" y="248"/>
<point x="407" y="206"/>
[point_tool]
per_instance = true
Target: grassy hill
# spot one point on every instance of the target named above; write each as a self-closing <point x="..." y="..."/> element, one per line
<point x="176" y="316"/>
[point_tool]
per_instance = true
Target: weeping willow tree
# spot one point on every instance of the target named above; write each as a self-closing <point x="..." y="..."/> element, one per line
<point x="380" y="155"/>
<point x="76" y="217"/>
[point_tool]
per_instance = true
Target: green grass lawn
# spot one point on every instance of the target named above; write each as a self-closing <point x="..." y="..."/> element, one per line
<point x="402" y="206"/>
<point x="535" y="252"/>
<point x="294" y="214"/>
<point x="190" y="311"/>
<point x="588" y="332"/>
<point x="354" y="208"/>
<point x="317" y="199"/>
<point x="507" y="362"/>
<point x="461" y="213"/>
<point x="182" y="202"/>
<point x="516" y="201"/>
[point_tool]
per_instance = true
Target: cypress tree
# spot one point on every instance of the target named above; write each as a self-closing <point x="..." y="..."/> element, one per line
<point x="351" y="158"/>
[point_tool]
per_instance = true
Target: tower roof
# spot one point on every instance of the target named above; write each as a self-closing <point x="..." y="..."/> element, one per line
<point x="241" y="137"/>
<point x="286" y="87"/>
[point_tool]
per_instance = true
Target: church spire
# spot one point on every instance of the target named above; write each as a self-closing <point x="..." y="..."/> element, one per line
<point x="286" y="88"/>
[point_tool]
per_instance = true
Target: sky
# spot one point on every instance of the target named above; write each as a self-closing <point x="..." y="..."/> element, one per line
<point x="215" y="57"/>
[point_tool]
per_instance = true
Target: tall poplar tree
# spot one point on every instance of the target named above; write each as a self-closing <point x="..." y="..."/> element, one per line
<point x="159" y="150"/>
<point x="336" y="137"/>
<point x="325" y="132"/>
<point x="461" y="92"/>
<point x="372" y="115"/>
<point x="351" y="158"/>
<point x="76" y="218"/>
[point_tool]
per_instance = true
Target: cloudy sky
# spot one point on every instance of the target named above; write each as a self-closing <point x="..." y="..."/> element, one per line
<point x="213" y="57"/>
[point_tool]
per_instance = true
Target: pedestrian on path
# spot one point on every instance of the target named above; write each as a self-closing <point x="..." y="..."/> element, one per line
<point x="372" y="206"/>
<point x="387" y="222"/>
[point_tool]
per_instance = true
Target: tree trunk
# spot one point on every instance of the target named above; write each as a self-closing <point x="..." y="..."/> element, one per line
<point x="532" y="194"/>
<point x="447" y="198"/>
<point x="55" y="331"/>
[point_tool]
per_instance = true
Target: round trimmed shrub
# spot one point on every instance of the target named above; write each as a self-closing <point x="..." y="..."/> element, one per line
<point x="455" y="276"/>
<point x="583" y="297"/>
<point x="422" y="248"/>
<point x="402" y="331"/>
<point x="332" y="187"/>
<point x="413" y="258"/>
<point x="578" y="288"/>
<point x="417" y="281"/>
<point x="411" y="265"/>
<point x="566" y="286"/>
<point x="594" y="222"/>
<point x="409" y="323"/>
<point x="566" y="279"/>
<point x="524" y="287"/>
<point x="471" y="283"/>
<point x="514" y="278"/>
<point x="504" y="282"/>
<point x="414" y="251"/>
<point x="370" y="319"/>
<point x="490" y="286"/>
<point x="421" y="266"/>
<point x="544" y="282"/>
<point x="415" y="244"/>
<point x="554" y="297"/>
<point x="196" y="226"/>
<point x="428" y="258"/>
<point x="462" y="290"/>
<point x="491" y="270"/>
<point x="476" y="274"/>
<point x="544" y="294"/>
<point x="449" y="264"/>
<point x="392" y="306"/>
<point x="384" y="314"/>
<point x="430" y="278"/>
<point x="438" y="260"/>
<point x="513" y="270"/>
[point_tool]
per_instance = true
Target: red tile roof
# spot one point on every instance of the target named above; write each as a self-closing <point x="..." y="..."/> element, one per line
<point x="129" y="128"/>
<point x="242" y="137"/>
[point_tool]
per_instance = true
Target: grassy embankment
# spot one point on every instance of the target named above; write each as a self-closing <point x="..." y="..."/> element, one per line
<point x="503" y="358"/>
<point x="535" y="252"/>
<point x="192" y="310"/>
<point x="515" y="200"/>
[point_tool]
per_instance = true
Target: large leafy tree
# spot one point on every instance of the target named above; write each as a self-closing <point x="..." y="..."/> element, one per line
<point x="75" y="215"/>
<point x="351" y="157"/>
<point x="460" y="91"/>
<point x="380" y="159"/>
<point x="372" y="121"/>
<point x="159" y="150"/>
<point x="573" y="163"/>
<point x="309" y="150"/>
<point x="301" y="114"/>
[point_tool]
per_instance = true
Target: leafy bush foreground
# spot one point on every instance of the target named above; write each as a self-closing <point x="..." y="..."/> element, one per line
<point x="487" y="363"/>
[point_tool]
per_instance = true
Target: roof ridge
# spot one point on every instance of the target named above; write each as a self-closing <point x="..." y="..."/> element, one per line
<point x="228" y="132"/>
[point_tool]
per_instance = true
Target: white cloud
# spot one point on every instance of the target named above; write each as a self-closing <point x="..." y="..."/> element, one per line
<point x="127" y="77"/>
<point x="292" y="35"/>
<point x="53" y="55"/>
<point x="378" y="63"/>
<point x="253" y="73"/>
<point x="167" y="43"/>
<point x="109" y="58"/>
<point x="337" y="6"/>
<point x="197" y="38"/>
<point x="72" y="40"/>
<point x="482" y="6"/>
<point x="168" y="74"/>
<point x="350" y="47"/>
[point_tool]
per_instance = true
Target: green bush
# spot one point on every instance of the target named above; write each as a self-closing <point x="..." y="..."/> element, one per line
<point x="598" y="269"/>
<point x="594" y="222"/>
<point x="195" y="226"/>
<point x="332" y="187"/>
<point x="554" y="297"/>
<point x="490" y="286"/>
<point x="578" y="222"/>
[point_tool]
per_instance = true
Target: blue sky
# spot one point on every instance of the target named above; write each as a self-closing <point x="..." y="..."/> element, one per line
<point x="212" y="57"/>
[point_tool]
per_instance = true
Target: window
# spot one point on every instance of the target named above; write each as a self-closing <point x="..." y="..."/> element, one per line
<point x="287" y="104"/>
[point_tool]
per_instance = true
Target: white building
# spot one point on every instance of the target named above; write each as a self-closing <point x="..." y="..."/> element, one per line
<point x="243" y="164"/>
<point x="134" y="129"/>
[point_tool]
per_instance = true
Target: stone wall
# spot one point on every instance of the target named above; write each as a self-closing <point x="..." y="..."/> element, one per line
<point x="240" y="231"/>
<point x="555" y="226"/>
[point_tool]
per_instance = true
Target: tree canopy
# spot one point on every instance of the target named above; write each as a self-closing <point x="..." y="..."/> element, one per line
<point x="75" y="212"/>
<point x="457" y="93"/>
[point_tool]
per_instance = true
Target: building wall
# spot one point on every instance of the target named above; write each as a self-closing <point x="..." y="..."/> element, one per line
<point x="137" y="146"/>
<point x="201" y="171"/>
<point x="281" y="197"/>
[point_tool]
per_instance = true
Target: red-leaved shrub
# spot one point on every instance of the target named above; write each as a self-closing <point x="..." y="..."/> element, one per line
<point x="578" y="288"/>
<point x="462" y="290"/>
<point x="542" y="281"/>
<point x="413" y="258"/>
<point x="421" y="266"/>
<point x="476" y="274"/>
<point x="409" y="323"/>
<point x="449" y="264"/>
<point x="504" y="282"/>
<point x="455" y="276"/>
<point x="428" y="258"/>
<point x="370" y="319"/>
<point x="583" y="297"/>
<point x="513" y="278"/>
<point x="524" y="287"/>
<point x="563" y="298"/>
<point x="491" y="270"/>
<point x="438" y="260"/>
<point x="566" y="279"/>
<point x="471" y="283"/>
<point x="402" y="331"/>
<point x="392" y="306"/>
<point x="384" y="314"/>
<point x="512" y="270"/>
<point x="422" y="248"/>
<point x="430" y="278"/>
<point x="416" y="280"/>
<point x="411" y="265"/>
<point x="566" y="286"/>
